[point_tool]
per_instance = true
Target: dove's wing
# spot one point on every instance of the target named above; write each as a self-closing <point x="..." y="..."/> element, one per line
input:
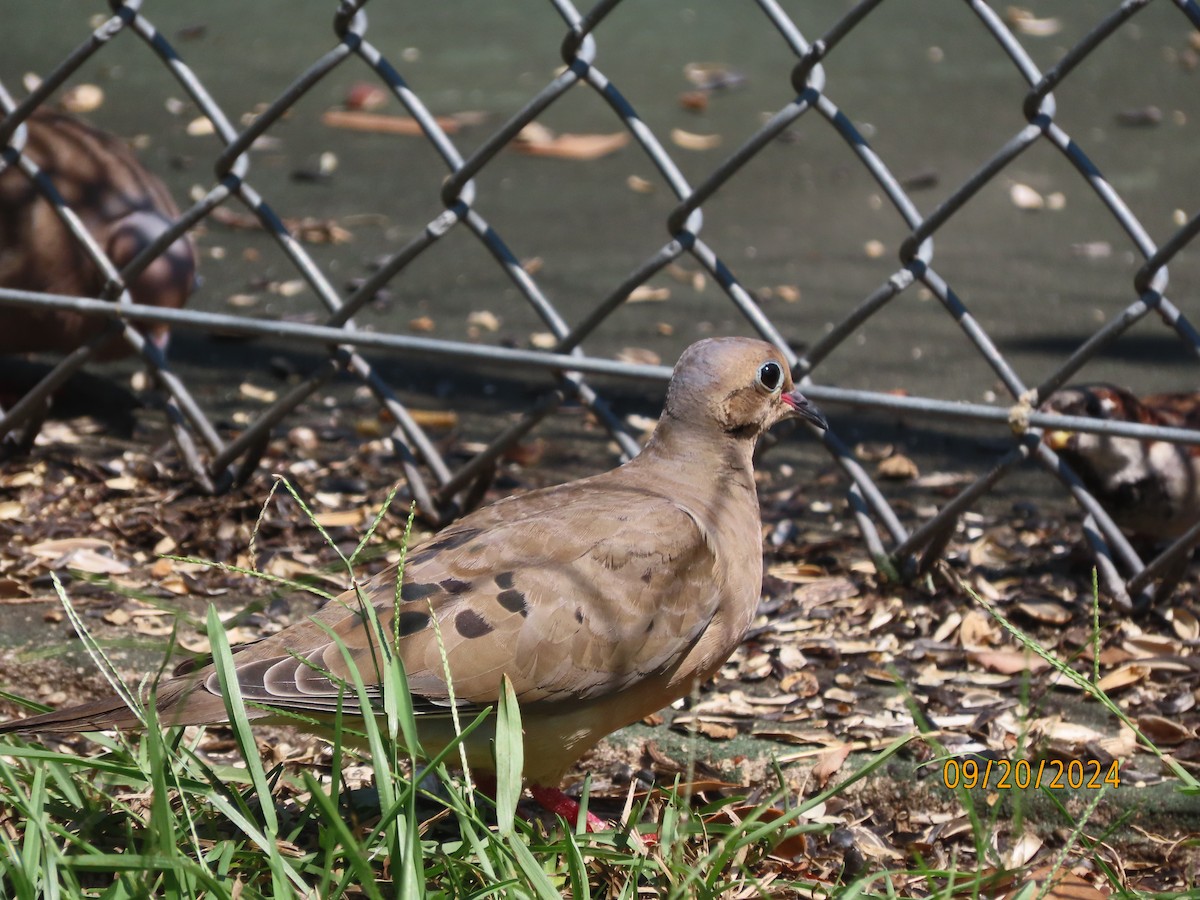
<point x="573" y="595"/>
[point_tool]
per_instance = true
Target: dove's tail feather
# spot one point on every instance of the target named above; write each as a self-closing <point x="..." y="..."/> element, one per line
<point x="177" y="702"/>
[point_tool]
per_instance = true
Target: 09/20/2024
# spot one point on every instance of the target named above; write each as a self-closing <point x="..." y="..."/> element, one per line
<point x="1051" y="774"/>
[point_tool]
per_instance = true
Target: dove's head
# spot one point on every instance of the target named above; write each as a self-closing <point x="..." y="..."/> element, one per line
<point x="740" y="386"/>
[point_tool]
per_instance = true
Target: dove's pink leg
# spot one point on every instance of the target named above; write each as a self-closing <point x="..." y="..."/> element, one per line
<point x="555" y="801"/>
<point x="552" y="800"/>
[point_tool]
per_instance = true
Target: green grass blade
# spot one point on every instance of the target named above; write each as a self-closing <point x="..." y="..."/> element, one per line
<point x="332" y="818"/>
<point x="510" y="756"/>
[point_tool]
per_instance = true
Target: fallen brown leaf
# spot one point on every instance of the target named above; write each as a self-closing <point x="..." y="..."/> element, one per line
<point x="1130" y="673"/>
<point x="690" y="141"/>
<point x="1161" y="730"/>
<point x="829" y="762"/>
<point x="574" y="146"/>
<point x="379" y="123"/>
<point x="1009" y="662"/>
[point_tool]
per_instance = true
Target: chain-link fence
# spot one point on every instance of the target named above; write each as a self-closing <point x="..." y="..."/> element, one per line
<point x="441" y="491"/>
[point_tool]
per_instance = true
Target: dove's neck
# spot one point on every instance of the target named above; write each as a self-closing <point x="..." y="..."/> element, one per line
<point x="710" y="475"/>
<point x="693" y="459"/>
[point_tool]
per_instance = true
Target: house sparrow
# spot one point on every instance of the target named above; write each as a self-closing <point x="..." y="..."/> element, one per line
<point x="1150" y="488"/>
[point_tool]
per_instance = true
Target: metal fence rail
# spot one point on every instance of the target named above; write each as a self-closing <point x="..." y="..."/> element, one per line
<point x="439" y="490"/>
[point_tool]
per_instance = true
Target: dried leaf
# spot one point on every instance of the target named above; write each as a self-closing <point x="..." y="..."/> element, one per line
<point x="1152" y="645"/>
<point x="708" y="786"/>
<point x="639" y="356"/>
<point x="643" y="293"/>
<point x="947" y="627"/>
<point x="1128" y="674"/>
<point x="1185" y="623"/>
<point x="485" y="319"/>
<point x="873" y="451"/>
<point x="978" y="630"/>
<point x="1022" y="850"/>
<point x="716" y="730"/>
<point x="838" y="695"/>
<point x="1026" y="22"/>
<point x="711" y="76"/>
<point x="422" y="324"/>
<point x="1164" y="731"/>
<point x="254" y="392"/>
<point x="83" y="98"/>
<point x="572" y="146"/>
<point x="639" y="185"/>
<point x="799" y="573"/>
<point x="829" y="762"/>
<point x="897" y="468"/>
<point x="690" y="141"/>
<point x="176" y="584"/>
<point x="365" y="95"/>
<point x="803" y="684"/>
<point x="348" y="518"/>
<point x="88" y="555"/>
<point x="936" y="481"/>
<point x="1050" y="612"/>
<point x="1123" y="746"/>
<point x="160" y="626"/>
<point x="1056" y="884"/>
<point x="432" y="418"/>
<point x="376" y="123"/>
<point x="201" y="127"/>
<point x="976" y="698"/>
<point x="1065" y="736"/>
<point x="987" y="553"/>
<point x="11" y="590"/>
<point x="1009" y="662"/>
<point x="63" y="546"/>
<point x="872" y="845"/>
<point x="1025" y="197"/>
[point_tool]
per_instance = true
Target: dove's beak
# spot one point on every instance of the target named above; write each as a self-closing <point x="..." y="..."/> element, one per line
<point x="804" y="409"/>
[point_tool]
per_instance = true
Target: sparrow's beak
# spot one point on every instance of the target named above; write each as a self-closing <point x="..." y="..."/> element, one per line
<point x="1058" y="440"/>
<point x="804" y="409"/>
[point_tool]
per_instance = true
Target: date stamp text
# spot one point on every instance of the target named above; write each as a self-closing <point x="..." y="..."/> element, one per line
<point x="1050" y="774"/>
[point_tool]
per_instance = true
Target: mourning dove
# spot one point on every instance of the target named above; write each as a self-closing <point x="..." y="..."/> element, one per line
<point x="123" y="207"/>
<point x="1150" y="488"/>
<point x="602" y="600"/>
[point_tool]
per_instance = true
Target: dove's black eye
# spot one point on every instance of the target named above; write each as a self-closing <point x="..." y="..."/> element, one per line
<point x="770" y="376"/>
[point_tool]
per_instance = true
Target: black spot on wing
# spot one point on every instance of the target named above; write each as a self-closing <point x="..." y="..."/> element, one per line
<point x="439" y="544"/>
<point x="505" y="580"/>
<point x="412" y="622"/>
<point x="417" y="591"/>
<point x="471" y="624"/>
<point x="579" y="615"/>
<point x="455" y="585"/>
<point x="514" y="601"/>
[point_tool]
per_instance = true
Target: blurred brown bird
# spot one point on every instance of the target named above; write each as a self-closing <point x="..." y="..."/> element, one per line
<point x="602" y="600"/>
<point x="1150" y="488"/>
<point x="123" y="207"/>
